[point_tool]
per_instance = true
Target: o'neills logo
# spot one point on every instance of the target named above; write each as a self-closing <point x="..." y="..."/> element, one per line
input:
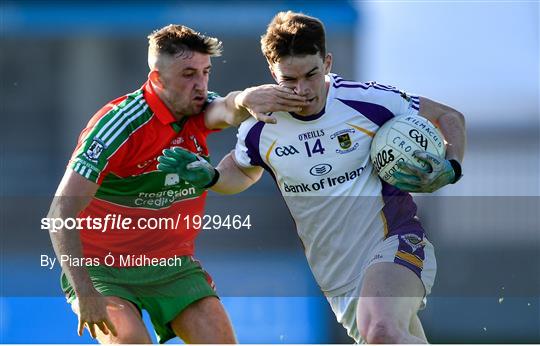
<point x="310" y="135"/>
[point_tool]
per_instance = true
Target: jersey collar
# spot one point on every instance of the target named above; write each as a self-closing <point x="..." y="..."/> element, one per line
<point x="156" y="104"/>
<point x="308" y="117"/>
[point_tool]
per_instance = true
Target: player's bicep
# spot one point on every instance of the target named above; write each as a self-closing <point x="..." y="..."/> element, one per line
<point x="235" y="178"/>
<point x="433" y="110"/>
<point x="253" y="172"/>
<point x="244" y="175"/>
<point x="74" y="184"/>
<point x="73" y="193"/>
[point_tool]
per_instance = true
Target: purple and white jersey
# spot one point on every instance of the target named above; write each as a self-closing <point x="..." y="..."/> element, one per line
<point x="321" y="164"/>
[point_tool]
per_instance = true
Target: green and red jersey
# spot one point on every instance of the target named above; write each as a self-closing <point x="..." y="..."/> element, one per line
<point x="118" y="150"/>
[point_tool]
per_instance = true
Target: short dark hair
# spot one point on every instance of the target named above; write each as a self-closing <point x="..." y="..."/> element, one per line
<point x="177" y="39"/>
<point x="291" y="33"/>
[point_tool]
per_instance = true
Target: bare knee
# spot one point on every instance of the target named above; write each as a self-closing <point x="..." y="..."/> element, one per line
<point x="204" y="322"/>
<point x="135" y="340"/>
<point x="382" y="332"/>
<point x="125" y="338"/>
<point x="128" y="324"/>
<point x="128" y="332"/>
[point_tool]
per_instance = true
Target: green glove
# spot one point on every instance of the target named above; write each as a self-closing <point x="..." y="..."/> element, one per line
<point x="189" y="166"/>
<point x="415" y="179"/>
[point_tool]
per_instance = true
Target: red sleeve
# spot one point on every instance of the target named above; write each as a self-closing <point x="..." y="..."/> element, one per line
<point x="91" y="158"/>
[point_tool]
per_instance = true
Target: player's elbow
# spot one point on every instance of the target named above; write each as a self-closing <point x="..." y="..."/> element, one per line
<point x="252" y="175"/>
<point x="455" y="115"/>
<point x="453" y="119"/>
<point x="459" y="117"/>
<point x="64" y="207"/>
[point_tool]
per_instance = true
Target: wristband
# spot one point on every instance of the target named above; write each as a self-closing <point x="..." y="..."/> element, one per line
<point x="456" y="166"/>
<point x="214" y="180"/>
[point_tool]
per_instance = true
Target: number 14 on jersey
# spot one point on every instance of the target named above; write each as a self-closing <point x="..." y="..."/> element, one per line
<point x="316" y="148"/>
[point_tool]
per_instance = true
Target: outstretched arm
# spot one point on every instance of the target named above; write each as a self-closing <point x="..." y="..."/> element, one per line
<point x="227" y="178"/>
<point x="257" y="101"/>
<point x="233" y="178"/>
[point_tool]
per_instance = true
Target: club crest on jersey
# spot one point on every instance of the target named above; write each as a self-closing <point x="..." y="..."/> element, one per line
<point x="94" y="150"/>
<point x="344" y="139"/>
<point x="413" y="240"/>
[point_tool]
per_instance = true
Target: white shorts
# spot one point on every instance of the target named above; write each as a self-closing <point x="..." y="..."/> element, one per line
<point x="392" y="250"/>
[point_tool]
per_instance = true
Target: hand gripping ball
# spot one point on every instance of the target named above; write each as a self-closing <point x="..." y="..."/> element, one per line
<point x="399" y="138"/>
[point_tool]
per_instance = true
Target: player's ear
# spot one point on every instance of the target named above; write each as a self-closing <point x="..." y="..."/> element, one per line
<point x="327" y="63"/>
<point x="155" y="78"/>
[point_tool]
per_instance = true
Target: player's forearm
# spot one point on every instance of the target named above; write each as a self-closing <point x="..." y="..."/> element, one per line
<point x="230" y="183"/>
<point x="234" y="112"/>
<point x="450" y="122"/>
<point x="231" y="178"/>
<point x="238" y="111"/>
<point x="67" y="242"/>
<point x="226" y="111"/>
<point x="452" y="126"/>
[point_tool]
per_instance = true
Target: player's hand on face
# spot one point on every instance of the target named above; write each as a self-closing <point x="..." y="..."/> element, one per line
<point x="92" y="311"/>
<point x="264" y="99"/>
<point x="189" y="166"/>
<point x="411" y="178"/>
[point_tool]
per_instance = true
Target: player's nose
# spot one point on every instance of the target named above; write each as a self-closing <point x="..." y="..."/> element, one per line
<point x="301" y="89"/>
<point x="200" y="83"/>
